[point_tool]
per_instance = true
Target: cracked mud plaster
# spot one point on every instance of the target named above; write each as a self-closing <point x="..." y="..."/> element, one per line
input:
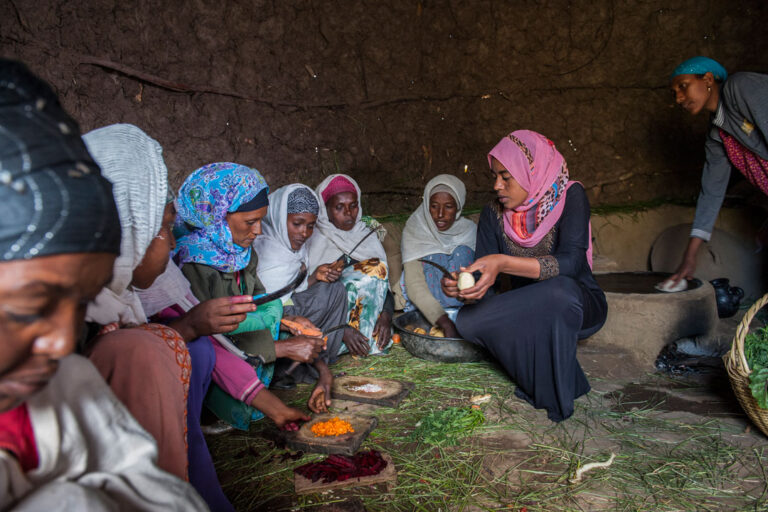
<point x="394" y="92"/>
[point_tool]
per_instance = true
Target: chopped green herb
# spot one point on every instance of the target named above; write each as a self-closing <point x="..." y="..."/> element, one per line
<point x="448" y="425"/>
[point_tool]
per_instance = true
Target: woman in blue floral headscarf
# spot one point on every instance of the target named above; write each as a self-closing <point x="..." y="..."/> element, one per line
<point x="207" y="200"/>
<point x="220" y="209"/>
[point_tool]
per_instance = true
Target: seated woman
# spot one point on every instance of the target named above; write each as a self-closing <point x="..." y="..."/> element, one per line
<point x="282" y="250"/>
<point x="537" y="231"/>
<point x="345" y="248"/>
<point x="220" y="211"/>
<point x="66" y="442"/>
<point x="436" y="232"/>
<point x="148" y="367"/>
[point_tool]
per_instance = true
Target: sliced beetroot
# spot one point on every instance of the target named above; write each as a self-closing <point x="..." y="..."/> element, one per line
<point x="343" y="467"/>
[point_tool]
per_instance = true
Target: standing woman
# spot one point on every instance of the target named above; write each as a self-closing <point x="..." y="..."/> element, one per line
<point x="738" y="137"/>
<point x="348" y="248"/>
<point x="437" y="232"/>
<point x="537" y="231"/>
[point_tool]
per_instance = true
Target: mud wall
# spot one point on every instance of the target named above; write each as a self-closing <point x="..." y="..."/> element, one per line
<point x="396" y="91"/>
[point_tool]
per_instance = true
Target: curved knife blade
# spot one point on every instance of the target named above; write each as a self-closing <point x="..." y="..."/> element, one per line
<point x="441" y="268"/>
<point x="269" y="297"/>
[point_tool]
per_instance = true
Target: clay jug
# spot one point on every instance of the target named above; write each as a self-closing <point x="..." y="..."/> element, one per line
<point x="728" y="297"/>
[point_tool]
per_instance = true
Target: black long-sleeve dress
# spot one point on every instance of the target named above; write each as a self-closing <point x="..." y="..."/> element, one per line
<point x="532" y="329"/>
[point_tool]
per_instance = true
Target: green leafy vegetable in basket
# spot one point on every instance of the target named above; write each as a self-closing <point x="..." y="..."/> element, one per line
<point x="756" y="352"/>
<point x="447" y="426"/>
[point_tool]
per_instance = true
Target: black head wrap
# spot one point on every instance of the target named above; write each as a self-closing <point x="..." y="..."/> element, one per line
<point x="260" y="200"/>
<point x="53" y="199"/>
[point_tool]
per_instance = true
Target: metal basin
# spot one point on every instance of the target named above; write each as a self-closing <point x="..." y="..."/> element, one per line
<point x="432" y="348"/>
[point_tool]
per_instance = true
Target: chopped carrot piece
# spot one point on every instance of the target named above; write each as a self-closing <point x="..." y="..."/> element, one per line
<point x="332" y="427"/>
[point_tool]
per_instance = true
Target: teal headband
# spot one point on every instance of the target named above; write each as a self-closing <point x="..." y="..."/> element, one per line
<point x="700" y="66"/>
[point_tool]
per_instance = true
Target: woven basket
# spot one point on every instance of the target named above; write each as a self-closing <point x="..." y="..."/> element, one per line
<point x="738" y="369"/>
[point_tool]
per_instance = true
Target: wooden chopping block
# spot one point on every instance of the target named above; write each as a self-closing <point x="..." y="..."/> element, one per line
<point x="388" y="475"/>
<point x="346" y="444"/>
<point x="390" y="392"/>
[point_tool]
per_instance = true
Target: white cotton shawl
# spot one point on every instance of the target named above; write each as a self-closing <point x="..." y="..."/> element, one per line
<point x="421" y="236"/>
<point x="329" y="242"/>
<point x="93" y="455"/>
<point x="278" y="263"/>
<point x="133" y="162"/>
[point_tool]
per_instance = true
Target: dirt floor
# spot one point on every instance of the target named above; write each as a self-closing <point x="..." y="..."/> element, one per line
<point x="681" y="443"/>
<point x="393" y="92"/>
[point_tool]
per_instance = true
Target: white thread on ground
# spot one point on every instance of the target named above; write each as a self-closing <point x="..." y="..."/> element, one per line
<point x="588" y="467"/>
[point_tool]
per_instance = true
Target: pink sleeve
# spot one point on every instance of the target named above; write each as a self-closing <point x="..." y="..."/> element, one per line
<point x="234" y="375"/>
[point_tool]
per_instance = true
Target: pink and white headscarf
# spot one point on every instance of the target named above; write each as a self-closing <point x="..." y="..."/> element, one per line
<point x="535" y="163"/>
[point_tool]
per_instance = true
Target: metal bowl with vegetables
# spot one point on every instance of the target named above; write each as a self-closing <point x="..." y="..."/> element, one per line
<point x="434" y="348"/>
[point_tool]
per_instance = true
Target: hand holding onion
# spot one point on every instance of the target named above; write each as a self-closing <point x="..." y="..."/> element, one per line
<point x="489" y="268"/>
<point x="466" y="280"/>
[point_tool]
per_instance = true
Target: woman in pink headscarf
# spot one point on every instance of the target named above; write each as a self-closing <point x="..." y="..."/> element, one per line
<point x="537" y="232"/>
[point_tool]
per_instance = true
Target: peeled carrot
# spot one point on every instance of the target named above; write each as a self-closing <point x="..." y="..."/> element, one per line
<point x="300" y="328"/>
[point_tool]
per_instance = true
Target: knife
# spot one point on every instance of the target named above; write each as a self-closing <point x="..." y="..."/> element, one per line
<point x="269" y="297"/>
<point x="441" y="268"/>
<point x="372" y="231"/>
<point x="347" y="257"/>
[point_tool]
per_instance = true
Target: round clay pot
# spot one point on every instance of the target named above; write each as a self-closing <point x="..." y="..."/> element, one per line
<point x="728" y="297"/>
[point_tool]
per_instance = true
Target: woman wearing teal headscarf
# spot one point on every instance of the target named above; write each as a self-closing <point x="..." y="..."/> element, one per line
<point x="220" y="209"/>
<point x="738" y="137"/>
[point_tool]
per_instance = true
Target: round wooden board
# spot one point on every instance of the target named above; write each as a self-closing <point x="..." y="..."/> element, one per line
<point x="347" y="384"/>
<point x="347" y="444"/>
<point x="390" y="395"/>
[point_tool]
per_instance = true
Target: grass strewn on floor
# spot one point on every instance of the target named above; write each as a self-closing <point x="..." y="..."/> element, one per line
<point x="517" y="459"/>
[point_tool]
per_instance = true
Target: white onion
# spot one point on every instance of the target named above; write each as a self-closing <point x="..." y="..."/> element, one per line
<point x="466" y="280"/>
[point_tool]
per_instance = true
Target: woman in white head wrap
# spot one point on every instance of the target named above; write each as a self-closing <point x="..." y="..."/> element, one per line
<point x="282" y="249"/>
<point x="149" y="368"/>
<point x="139" y="363"/>
<point x="348" y="247"/>
<point x="437" y="232"/>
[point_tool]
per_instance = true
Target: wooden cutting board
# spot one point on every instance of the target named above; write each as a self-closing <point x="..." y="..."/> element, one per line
<point x="386" y="392"/>
<point x="345" y="444"/>
<point x="303" y="485"/>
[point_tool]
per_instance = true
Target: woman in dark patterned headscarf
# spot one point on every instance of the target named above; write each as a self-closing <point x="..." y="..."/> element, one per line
<point x="63" y="435"/>
<point x="282" y="249"/>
